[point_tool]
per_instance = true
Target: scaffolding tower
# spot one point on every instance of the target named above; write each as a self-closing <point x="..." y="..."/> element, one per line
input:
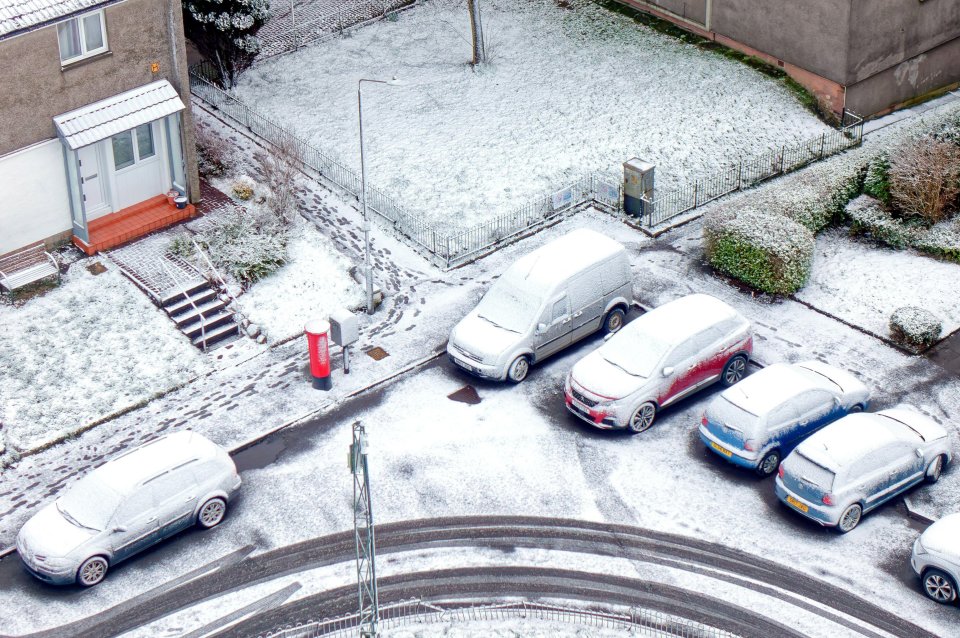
<point x="364" y="535"/>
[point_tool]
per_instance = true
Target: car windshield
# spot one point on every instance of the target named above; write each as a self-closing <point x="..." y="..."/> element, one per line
<point x="89" y="503"/>
<point x="637" y="355"/>
<point x="725" y="412"/>
<point x="508" y="307"/>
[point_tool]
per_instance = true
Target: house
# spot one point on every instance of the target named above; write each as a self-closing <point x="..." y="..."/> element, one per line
<point x="95" y="121"/>
<point x="866" y="56"/>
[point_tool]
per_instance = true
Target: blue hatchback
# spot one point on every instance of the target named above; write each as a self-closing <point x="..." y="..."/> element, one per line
<point x="760" y="420"/>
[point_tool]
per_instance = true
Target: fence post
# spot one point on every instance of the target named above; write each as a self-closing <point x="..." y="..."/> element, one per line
<point x="696" y="194"/>
<point x="823" y="139"/>
<point x="740" y="175"/>
<point x="783" y="150"/>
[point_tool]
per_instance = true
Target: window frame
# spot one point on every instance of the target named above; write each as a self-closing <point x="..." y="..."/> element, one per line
<point x="134" y="139"/>
<point x="81" y="33"/>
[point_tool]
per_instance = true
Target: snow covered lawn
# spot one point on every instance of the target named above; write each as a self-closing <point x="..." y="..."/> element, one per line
<point x="88" y="348"/>
<point x="314" y="282"/>
<point x="863" y="283"/>
<point x="567" y="91"/>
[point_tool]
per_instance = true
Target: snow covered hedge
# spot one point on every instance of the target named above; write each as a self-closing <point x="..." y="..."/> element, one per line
<point x="869" y="217"/>
<point x="769" y="252"/>
<point x="915" y="327"/>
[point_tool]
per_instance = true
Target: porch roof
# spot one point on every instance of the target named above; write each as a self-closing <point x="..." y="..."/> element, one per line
<point x="116" y="114"/>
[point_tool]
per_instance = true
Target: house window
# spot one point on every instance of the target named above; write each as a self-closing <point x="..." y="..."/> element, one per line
<point x="81" y="37"/>
<point x="131" y="147"/>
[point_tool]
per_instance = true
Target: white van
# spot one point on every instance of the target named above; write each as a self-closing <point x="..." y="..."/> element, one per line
<point x="556" y="295"/>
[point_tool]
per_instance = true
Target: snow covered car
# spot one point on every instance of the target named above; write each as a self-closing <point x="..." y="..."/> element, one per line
<point x="860" y="462"/>
<point x="758" y="421"/>
<point x="547" y="300"/>
<point x="126" y="505"/>
<point x="657" y="359"/>
<point x="936" y="559"/>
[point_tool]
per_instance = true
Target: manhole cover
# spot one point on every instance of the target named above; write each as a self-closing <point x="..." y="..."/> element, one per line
<point x="466" y="394"/>
<point x="377" y="353"/>
<point x="96" y="268"/>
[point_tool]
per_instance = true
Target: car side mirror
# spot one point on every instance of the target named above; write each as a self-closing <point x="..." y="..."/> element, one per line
<point x="668" y="371"/>
<point x="119" y="529"/>
<point x="541" y="328"/>
<point x="919" y="453"/>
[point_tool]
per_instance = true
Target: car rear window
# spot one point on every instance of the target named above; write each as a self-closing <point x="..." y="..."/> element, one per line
<point x="725" y="412"/>
<point x="803" y="468"/>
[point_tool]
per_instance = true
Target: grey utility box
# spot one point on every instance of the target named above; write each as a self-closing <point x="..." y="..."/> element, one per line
<point x="344" y="328"/>
<point x="637" y="184"/>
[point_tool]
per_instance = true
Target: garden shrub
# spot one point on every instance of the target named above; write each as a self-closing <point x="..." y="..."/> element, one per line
<point x="942" y="240"/>
<point x="868" y="217"/>
<point x="925" y="178"/>
<point x="769" y="252"/>
<point x="876" y="184"/>
<point x="915" y="327"/>
<point x="242" y="187"/>
<point x="214" y="153"/>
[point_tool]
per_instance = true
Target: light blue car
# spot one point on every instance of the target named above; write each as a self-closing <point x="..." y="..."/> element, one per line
<point x="761" y="419"/>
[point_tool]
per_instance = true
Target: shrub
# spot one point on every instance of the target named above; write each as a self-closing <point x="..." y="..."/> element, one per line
<point x="925" y="178"/>
<point x="943" y="240"/>
<point x="876" y="184"/>
<point x="242" y="187"/>
<point x="213" y="153"/>
<point x="248" y="244"/>
<point x="914" y="327"/>
<point x="280" y="169"/>
<point x="868" y="217"/>
<point x="769" y="252"/>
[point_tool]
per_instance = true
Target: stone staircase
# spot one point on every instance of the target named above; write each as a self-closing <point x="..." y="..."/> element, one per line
<point x="200" y="313"/>
<point x="196" y="306"/>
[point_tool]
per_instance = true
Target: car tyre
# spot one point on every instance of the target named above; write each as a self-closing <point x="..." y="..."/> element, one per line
<point x="642" y="418"/>
<point x="850" y="518"/>
<point x="934" y="470"/>
<point x="939" y="587"/>
<point x="211" y="513"/>
<point x="519" y="369"/>
<point x="769" y="463"/>
<point x="855" y="409"/>
<point x="92" y="571"/>
<point x="614" y="321"/>
<point x="735" y="370"/>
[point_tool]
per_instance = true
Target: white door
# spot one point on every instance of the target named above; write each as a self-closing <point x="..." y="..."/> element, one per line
<point x="92" y="182"/>
<point x="137" y="160"/>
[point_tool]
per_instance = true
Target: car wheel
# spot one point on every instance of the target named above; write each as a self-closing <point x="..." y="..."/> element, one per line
<point x="212" y="513"/>
<point x="642" y="418"/>
<point x="934" y="470"/>
<point x="614" y="321"/>
<point x="92" y="571"/>
<point x="734" y="370"/>
<point x="938" y="586"/>
<point x="518" y="370"/>
<point x="850" y="518"/>
<point x="769" y="464"/>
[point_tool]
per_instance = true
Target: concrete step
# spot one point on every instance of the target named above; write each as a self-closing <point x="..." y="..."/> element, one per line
<point x="195" y="330"/>
<point x="180" y="304"/>
<point x="173" y="298"/>
<point x="219" y="333"/>
<point x="206" y="309"/>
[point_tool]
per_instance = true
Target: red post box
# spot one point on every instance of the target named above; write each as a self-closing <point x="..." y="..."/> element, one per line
<point x="318" y="343"/>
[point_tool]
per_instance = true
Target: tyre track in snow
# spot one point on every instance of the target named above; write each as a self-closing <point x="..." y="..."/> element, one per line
<point x="693" y="555"/>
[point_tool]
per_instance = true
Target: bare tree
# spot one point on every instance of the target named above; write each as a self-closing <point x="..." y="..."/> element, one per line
<point x="925" y="178"/>
<point x="476" y="29"/>
<point x="279" y="170"/>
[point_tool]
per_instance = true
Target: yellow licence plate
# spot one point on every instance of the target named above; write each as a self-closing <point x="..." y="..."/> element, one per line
<point x="720" y="449"/>
<point x="803" y="507"/>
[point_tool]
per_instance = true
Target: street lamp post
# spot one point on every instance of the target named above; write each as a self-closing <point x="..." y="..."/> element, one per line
<point x="368" y="268"/>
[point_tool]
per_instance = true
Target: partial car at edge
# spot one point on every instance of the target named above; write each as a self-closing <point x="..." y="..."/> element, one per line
<point x="936" y="559"/>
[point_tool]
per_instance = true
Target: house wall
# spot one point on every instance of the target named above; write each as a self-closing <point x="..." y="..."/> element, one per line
<point x="36" y="87"/>
<point x="33" y="180"/>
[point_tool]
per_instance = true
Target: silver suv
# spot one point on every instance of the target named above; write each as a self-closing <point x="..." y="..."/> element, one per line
<point x="936" y="559"/>
<point x="126" y="505"/>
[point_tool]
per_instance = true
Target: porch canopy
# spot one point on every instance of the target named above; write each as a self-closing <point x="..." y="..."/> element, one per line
<point x="100" y="120"/>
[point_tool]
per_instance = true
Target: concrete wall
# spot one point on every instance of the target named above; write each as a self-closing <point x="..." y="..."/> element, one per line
<point x="888" y="33"/>
<point x="33" y="189"/>
<point x="34" y="87"/>
<point x="695" y="10"/>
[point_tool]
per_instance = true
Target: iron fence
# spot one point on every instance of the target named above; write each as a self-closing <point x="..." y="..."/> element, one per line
<point x="446" y="249"/>
<point x="750" y="171"/>
<point x="637" y="622"/>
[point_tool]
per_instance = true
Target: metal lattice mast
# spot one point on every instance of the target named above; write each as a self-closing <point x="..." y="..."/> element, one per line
<point x="364" y="535"/>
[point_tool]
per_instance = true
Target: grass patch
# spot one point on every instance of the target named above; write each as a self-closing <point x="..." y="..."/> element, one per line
<point x="803" y="96"/>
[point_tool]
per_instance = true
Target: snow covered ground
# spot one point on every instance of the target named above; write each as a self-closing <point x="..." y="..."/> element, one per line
<point x="92" y="346"/>
<point x="863" y="283"/>
<point x="567" y="91"/>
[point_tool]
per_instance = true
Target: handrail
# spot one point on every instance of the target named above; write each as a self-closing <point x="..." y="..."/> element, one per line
<point x="203" y="322"/>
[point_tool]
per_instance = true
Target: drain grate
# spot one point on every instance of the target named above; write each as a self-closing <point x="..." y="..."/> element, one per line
<point x="377" y="353"/>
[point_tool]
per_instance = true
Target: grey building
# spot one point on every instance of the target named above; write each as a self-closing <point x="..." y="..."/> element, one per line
<point x="97" y="129"/>
<point x="868" y="56"/>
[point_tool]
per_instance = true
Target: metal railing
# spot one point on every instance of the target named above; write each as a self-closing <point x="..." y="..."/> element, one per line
<point x="446" y="249"/>
<point x="749" y="171"/>
<point x="638" y="622"/>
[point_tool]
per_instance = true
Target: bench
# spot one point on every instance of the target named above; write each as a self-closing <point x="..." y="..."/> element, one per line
<point x="27" y="266"/>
